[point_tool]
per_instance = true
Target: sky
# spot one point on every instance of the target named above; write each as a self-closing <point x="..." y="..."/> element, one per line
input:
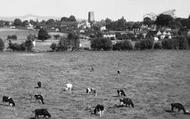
<point x="131" y="10"/>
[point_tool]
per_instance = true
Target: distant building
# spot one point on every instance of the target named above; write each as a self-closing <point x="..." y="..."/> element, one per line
<point x="91" y="17"/>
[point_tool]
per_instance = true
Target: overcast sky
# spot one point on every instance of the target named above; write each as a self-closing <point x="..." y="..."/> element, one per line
<point x="114" y="9"/>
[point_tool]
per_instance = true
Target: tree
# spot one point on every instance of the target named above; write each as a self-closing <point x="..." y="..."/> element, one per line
<point x="121" y="24"/>
<point x="43" y="34"/>
<point x="164" y="20"/>
<point x="72" y="18"/>
<point x="50" y="22"/>
<point x="73" y="39"/>
<point x="147" y="21"/>
<point x="17" y="22"/>
<point x="25" y="23"/>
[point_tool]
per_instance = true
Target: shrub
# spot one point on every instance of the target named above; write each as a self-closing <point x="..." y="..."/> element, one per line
<point x="43" y="34"/>
<point x="53" y="46"/>
<point x="28" y="45"/>
<point x="178" y="42"/>
<point x="157" y="45"/>
<point x="16" y="46"/>
<point x="63" y="44"/>
<point x="101" y="44"/>
<point x="167" y="44"/>
<point x="25" y="46"/>
<point x="12" y="37"/>
<point x="146" y="44"/>
<point x="137" y="45"/>
<point x="2" y="45"/>
<point x="56" y="36"/>
<point x="182" y="42"/>
<point x="123" y="45"/>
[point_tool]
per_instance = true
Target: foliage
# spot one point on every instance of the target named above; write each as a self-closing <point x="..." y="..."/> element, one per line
<point x="43" y="34"/>
<point x="2" y="44"/>
<point x="101" y="44"/>
<point x="70" y="19"/>
<point x="163" y="20"/>
<point x="148" y="21"/>
<point x="123" y="45"/>
<point x="56" y="36"/>
<point x="119" y="25"/>
<point x="158" y="45"/>
<point x="137" y="45"/>
<point x="53" y="46"/>
<point x="25" y="46"/>
<point x="146" y="44"/>
<point x="63" y="44"/>
<point x="167" y="44"/>
<point x="178" y="42"/>
<point x="17" y="22"/>
<point x="12" y="37"/>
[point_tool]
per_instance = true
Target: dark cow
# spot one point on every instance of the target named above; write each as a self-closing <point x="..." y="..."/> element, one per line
<point x="99" y="109"/>
<point x="39" y="84"/>
<point x="127" y="102"/>
<point x="39" y="97"/>
<point x="41" y="113"/>
<point x="178" y="106"/>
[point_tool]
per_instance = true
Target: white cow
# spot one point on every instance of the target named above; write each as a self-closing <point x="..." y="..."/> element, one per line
<point x="69" y="86"/>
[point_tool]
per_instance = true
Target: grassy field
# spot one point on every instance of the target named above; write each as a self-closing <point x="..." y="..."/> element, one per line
<point x="152" y="79"/>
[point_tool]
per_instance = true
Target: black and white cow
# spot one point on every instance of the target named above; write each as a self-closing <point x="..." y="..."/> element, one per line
<point x="9" y="100"/>
<point x="91" y="91"/>
<point x="99" y="109"/>
<point x="127" y="102"/>
<point x="121" y="92"/>
<point x="39" y="97"/>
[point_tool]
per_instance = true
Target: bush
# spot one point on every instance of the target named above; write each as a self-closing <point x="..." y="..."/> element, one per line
<point x="16" y="46"/>
<point x="25" y="46"/>
<point x="28" y="45"/>
<point x="12" y="37"/>
<point x="123" y="45"/>
<point x="167" y="44"/>
<point x="146" y="44"/>
<point x="137" y="45"/>
<point x="56" y="36"/>
<point x="43" y="34"/>
<point x="179" y="42"/>
<point x="53" y="46"/>
<point x="157" y="45"/>
<point x="182" y="42"/>
<point x="101" y="44"/>
<point x="2" y="45"/>
<point x="63" y="44"/>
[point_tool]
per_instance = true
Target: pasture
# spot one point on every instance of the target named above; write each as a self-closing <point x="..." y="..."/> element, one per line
<point x="152" y="79"/>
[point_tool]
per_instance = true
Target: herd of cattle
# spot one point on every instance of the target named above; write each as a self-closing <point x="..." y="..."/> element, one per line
<point x="98" y="110"/>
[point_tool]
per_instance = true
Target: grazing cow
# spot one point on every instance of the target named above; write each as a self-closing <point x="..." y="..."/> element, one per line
<point x="9" y="100"/>
<point x="121" y="92"/>
<point x="69" y="87"/>
<point x="41" y="113"/>
<point x="127" y="102"/>
<point x="178" y="106"/>
<point x="39" y="84"/>
<point x="39" y="97"/>
<point x="118" y="72"/>
<point x="91" y="69"/>
<point x="99" y="109"/>
<point x="91" y="90"/>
